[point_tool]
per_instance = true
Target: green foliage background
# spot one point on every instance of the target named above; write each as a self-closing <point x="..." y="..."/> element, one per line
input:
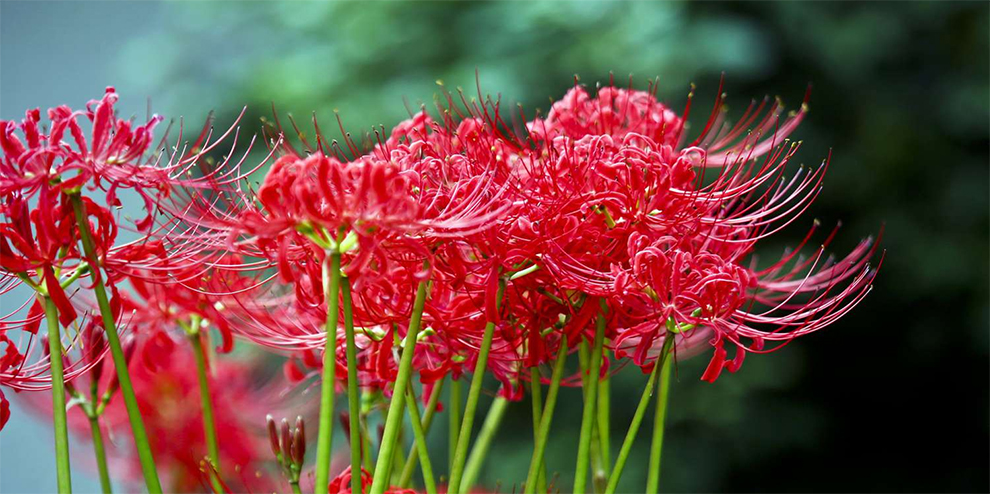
<point x="894" y="397"/>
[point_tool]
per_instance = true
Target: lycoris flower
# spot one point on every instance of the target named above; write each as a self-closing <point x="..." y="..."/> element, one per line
<point x="450" y="246"/>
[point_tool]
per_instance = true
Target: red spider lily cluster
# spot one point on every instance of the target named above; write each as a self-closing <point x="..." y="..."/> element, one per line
<point x="449" y="246"/>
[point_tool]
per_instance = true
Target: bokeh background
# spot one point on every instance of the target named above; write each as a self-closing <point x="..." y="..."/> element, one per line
<point x="892" y="398"/>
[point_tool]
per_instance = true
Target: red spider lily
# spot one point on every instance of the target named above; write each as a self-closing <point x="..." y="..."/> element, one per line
<point x="109" y="160"/>
<point x="660" y="245"/>
<point x="615" y="112"/>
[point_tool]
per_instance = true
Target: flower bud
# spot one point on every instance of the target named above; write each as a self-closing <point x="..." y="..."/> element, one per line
<point x="272" y="435"/>
<point x="286" y="437"/>
<point x="299" y="442"/>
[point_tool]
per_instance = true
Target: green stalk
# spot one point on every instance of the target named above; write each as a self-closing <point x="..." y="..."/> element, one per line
<point x="394" y="421"/>
<point x="62" y="469"/>
<point x="602" y="445"/>
<point x="660" y="416"/>
<point x="295" y="488"/>
<point x="627" y="443"/>
<point x="474" y="393"/>
<point x="536" y="391"/>
<point x="101" y="455"/>
<point x="419" y="437"/>
<point x="399" y="462"/>
<point x="484" y="441"/>
<point x="431" y="407"/>
<point x="353" y="400"/>
<point x="324" y="444"/>
<point x="539" y="448"/>
<point x="456" y="399"/>
<point x="117" y="353"/>
<point x="590" y="400"/>
<point x="604" y="422"/>
<point x="206" y="401"/>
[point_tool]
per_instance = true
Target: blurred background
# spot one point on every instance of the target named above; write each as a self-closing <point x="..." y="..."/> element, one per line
<point x="892" y="398"/>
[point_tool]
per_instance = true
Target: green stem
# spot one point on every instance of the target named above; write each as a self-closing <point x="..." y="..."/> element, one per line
<point x="474" y="393"/>
<point x="62" y="469"/>
<point x="117" y="353"/>
<point x="419" y="437"/>
<point x="536" y="398"/>
<point x="353" y="399"/>
<point x="399" y="462"/>
<point x="394" y="421"/>
<point x="484" y="441"/>
<point x="627" y="443"/>
<point x="206" y="401"/>
<point x="660" y="416"/>
<point x="604" y="422"/>
<point x="454" y="415"/>
<point x="543" y="432"/>
<point x="295" y="488"/>
<point x="101" y="455"/>
<point x="431" y="407"/>
<point x="590" y="400"/>
<point x="603" y="459"/>
<point x="324" y="440"/>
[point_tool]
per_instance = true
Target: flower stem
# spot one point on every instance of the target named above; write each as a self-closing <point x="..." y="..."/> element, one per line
<point x="659" y="417"/>
<point x="484" y="441"/>
<point x="474" y="393"/>
<point x="206" y="401"/>
<point x="117" y="353"/>
<point x="536" y="391"/>
<point x="324" y="441"/>
<point x="419" y="437"/>
<point x="431" y="406"/>
<point x="543" y="432"/>
<point x="63" y="472"/>
<point x="454" y="415"/>
<point x="394" y="421"/>
<point x="590" y="402"/>
<point x="295" y="488"/>
<point x="603" y="424"/>
<point x="101" y="455"/>
<point x="353" y="399"/>
<point x="627" y="443"/>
